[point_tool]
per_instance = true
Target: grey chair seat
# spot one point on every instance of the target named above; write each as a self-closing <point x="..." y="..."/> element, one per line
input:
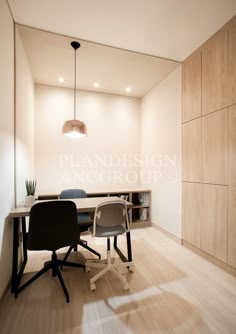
<point x="106" y="232"/>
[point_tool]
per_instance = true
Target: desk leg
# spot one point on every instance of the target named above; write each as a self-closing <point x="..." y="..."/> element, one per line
<point x="15" y="254"/>
<point x="24" y="239"/>
<point x="16" y="276"/>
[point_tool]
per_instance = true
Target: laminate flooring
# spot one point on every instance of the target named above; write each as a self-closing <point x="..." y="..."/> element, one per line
<point x="173" y="290"/>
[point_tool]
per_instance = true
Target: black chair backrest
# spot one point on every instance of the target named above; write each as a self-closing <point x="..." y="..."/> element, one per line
<point x="52" y="225"/>
<point x="73" y="193"/>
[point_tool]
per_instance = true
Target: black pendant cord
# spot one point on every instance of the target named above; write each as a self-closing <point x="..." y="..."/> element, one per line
<point x="75" y="90"/>
<point x="75" y="45"/>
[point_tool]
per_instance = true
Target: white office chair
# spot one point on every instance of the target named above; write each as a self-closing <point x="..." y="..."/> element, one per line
<point x="110" y="219"/>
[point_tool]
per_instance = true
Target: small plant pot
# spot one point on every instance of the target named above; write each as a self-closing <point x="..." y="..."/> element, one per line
<point x="29" y="200"/>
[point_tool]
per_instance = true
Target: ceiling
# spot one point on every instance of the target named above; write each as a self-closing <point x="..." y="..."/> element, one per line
<point x="51" y="56"/>
<point x="170" y="29"/>
<point x="136" y="43"/>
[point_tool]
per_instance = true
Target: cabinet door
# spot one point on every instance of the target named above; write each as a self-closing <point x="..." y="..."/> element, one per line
<point x="215" y="147"/>
<point x="214" y="74"/>
<point x="232" y="64"/>
<point x="191" y="151"/>
<point x="232" y="227"/>
<point x="191" y="89"/>
<point x="214" y="221"/>
<point x="191" y="205"/>
<point x="232" y="146"/>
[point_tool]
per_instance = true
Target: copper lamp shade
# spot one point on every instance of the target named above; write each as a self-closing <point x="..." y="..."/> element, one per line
<point x="74" y="128"/>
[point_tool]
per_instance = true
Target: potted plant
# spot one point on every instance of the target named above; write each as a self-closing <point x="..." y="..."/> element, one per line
<point x="30" y="186"/>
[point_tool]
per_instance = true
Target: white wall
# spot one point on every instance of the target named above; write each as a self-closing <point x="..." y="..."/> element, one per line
<point x="6" y="141"/>
<point x="100" y="161"/>
<point x="24" y="121"/>
<point x="161" y="151"/>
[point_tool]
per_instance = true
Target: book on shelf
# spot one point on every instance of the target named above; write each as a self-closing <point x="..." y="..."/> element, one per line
<point x="143" y="214"/>
<point x="143" y="199"/>
<point x="124" y="197"/>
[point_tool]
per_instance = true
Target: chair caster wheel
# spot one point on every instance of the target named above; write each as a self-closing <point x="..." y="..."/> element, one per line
<point x="131" y="269"/>
<point x="126" y="287"/>
<point x="87" y="269"/>
<point x="92" y="287"/>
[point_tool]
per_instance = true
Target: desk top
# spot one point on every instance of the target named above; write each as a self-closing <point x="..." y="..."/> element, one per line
<point x="82" y="204"/>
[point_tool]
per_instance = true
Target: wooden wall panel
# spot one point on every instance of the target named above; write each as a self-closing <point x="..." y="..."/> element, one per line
<point x="191" y="151"/>
<point x="215" y="74"/>
<point x="232" y="227"/>
<point x="214" y="221"/>
<point x="232" y="64"/>
<point x="191" y="211"/>
<point x="191" y="88"/>
<point x="216" y="212"/>
<point x="215" y="147"/>
<point x="232" y="145"/>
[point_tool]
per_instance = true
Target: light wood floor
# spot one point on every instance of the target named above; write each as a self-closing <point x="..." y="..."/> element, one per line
<point x="172" y="291"/>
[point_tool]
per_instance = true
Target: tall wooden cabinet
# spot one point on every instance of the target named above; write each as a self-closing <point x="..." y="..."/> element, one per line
<point x="232" y="188"/>
<point x="215" y="147"/>
<point x="214" y="74"/>
<point x="232" y="145"/>
<point x="232" y="226"/>
<point x="191" y="82"/>
<point x="214" y="220"/>
<point x="209" y="147"/>
<point x="191" y="209"/>
<point x="192" y="150"/>
<point x="232" y="64"/>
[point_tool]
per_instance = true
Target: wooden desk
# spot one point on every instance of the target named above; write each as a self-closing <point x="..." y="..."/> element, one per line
<point x="83" y="205"/>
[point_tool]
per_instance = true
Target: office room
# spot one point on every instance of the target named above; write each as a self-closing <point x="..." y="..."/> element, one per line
<point x="153" y="85"/>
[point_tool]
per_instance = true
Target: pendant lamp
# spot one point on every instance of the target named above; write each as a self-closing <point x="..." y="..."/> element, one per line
<point x="74" y="128"/>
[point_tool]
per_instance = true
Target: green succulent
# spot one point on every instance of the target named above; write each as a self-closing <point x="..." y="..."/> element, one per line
<point x="30" y="187"/>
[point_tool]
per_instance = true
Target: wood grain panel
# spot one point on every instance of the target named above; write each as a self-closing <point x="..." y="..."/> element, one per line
<point x="191" y="208"/>
<point x="232" y="64"/>
<point x="214" y="74"/>
<point x="232" y="145"/>
<point x="214" y="221"/>
<point x="215" y="147"/>
<point x="191" y="88"/>
<point x="232" y="227"/>
<point x="191" y="151"/>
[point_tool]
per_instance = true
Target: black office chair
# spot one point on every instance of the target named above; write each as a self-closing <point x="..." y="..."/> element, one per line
<point x="84" y="220"/>
<point x="52" y="225"/>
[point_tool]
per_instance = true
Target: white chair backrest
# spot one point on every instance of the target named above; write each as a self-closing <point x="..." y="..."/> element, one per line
<point x="110" y="214"/>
